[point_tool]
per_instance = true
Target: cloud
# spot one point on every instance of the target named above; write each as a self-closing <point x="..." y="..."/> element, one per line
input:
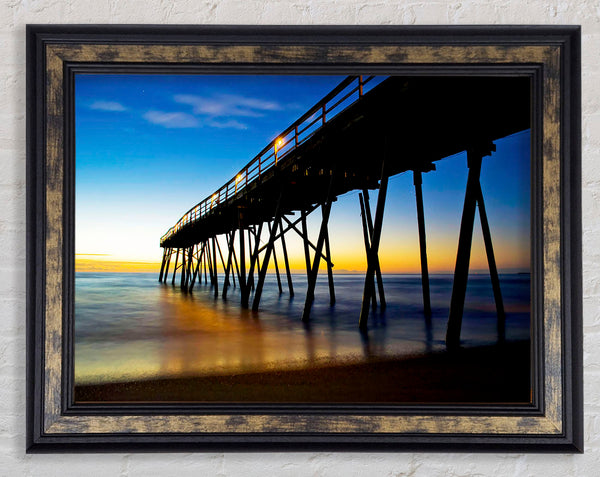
<point x="224" y="105"/>
<point x="216" y="111"/>
<point x="107" y="106"/>
<point x="231" y="124"/>
<point x="172" y="120"/>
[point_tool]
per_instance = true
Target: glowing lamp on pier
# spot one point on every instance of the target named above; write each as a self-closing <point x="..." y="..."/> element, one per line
<point x="278" y="144"/>
<point x="238" y="178"/>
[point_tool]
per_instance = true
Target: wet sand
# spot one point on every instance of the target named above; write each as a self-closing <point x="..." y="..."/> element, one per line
<point x="492" y="374"/>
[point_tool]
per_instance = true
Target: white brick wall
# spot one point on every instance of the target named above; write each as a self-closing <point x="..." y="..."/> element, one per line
<point x="14" y="14"/>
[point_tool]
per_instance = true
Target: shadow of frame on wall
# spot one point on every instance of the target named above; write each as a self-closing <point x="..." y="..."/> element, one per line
<point x="548" y="57"/>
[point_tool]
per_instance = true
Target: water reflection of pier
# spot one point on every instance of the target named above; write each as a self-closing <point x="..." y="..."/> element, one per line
<point x="355" y="138"/>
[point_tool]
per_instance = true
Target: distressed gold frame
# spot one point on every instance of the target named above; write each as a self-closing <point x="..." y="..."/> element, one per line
<point x="52" y="424"/>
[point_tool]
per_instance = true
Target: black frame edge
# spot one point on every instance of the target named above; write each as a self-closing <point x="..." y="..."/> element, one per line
<point x="302" y="34"/>
<point x="33" y="247"/>
<point x="572" y="227"/>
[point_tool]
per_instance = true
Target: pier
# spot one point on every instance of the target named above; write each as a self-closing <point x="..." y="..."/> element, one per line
<point x="355" y="138"/>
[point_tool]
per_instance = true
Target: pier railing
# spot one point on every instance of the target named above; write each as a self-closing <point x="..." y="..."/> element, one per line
<point x="345" y="94"/>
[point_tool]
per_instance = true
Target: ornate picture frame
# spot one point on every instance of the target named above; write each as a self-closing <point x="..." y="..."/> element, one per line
<point x="549" y="56"/>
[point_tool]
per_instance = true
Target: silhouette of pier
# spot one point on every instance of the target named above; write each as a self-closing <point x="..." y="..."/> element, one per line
<point x="355" y="138"/>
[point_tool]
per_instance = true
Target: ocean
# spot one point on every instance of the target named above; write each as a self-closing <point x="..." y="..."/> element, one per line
<point x="128" y="326"/>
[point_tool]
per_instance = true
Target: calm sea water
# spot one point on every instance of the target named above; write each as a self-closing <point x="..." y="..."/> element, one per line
<point x="128" y="326"/>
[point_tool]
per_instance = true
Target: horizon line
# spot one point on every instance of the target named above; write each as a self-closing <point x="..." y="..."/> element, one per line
<point x="146" y="266"/>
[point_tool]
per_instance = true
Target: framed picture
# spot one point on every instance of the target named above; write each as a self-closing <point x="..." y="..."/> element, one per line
<point x="304" y="238"/>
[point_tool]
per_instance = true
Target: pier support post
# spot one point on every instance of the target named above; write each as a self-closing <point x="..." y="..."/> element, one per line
<point x="237" y="268"/>
<point x="221" y="256"/>
<point x="214" y="261"/>
<point x="190" y="268"/>
<point x="463" y="256"/>
<point x="199" y="256"/>
<point x="242" y="278"/>
<point x="418" y="181"/>
<point x="312" y="278"/>
<point x="205" y="261"/>
<point x="250" y="278"/>
<point x="229" y="266"/>
<point x="183" y="268"/>
<point x="209" y="264"/>
<point x="263" y="270"/>
<point x="274" y="230"/>
<point x="367" y="241"/>
<point x="253" y="261"/>
<point x="373" y="249"/>
<point x="489" y="250"/>
<point x="329" y="267"/>
<point x="229" y="237"/>
<point x="168" y="264"/>
<point x="175" y="268"/>
<point x="162" y="265"/>
<point x="378" y="275"/>
<point x="285" y="258"/>
<point x="248" y="254"/>
<point x="305" y="241"/>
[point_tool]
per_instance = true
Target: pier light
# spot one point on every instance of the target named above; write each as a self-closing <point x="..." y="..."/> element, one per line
<point x="278" y="143"/>
<point x="238" y="178"/>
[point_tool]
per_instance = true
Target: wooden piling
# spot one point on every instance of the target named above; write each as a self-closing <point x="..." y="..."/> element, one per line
<point x="183" y="268"/>
<point x="418" y="180"/>
<point x="253" y="261"/>
<point x="220" y="254"/>
<point x="229" y="264"/>
<point x="190" y="268"/>
<point x="329" y="267"/>
<point x="235" y="262"/>
<point x="210" y="264"/>
<point x="184" y="260"/>
<point x="373" y="250"/>
<point x="367" y="241"/>
<point x="243" y="278"/>
<point x="168" y="264"/>
<point x="229" y="237"/>
<point x="205" y="264"/>
<point x="286" y="261"/>
<point x="162" y="265"/>
<point x="263" y="270"/>
<point x="463" y="255"/>
<point x="377" y="266"/>
<point x="312" y="278"/>
<point x="275" y="259"/>
<point x="199" y="256"/>
<point x="250" y="278"/>
<point x="214" y="261"/>
<point x="175" y="267"/>
<point x="489" y="250"/>
<point x="304" y="236"/>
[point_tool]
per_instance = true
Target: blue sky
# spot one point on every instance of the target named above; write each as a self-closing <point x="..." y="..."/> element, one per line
<point x="149" y="147"/>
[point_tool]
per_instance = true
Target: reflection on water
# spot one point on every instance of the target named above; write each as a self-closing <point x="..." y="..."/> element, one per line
<point x="129" y="326"/>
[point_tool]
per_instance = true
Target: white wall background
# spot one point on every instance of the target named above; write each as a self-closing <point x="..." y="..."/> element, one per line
<point x="14" y="14"/>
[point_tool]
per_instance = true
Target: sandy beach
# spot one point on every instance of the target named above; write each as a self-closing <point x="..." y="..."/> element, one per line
<point x="493" y="374"/>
